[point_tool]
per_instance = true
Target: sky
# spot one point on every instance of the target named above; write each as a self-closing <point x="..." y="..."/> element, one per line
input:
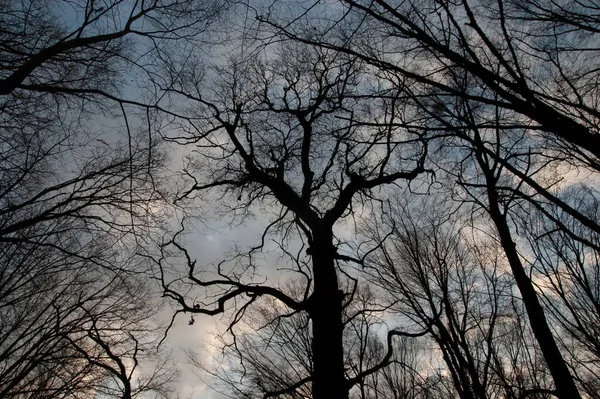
<point x="208" y="241"/>
<point x="210" y="237"/>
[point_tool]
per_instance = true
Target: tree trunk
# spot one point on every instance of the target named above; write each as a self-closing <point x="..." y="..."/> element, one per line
<point x="563" y="380"/>
<point x="326" y="314"/>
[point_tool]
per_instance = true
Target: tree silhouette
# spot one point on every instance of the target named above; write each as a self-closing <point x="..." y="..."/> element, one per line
<point x="280" y="134"/>
<point x="78" y="201"/>
<point x="512" y="83"/>
<point x="424" y="172"/>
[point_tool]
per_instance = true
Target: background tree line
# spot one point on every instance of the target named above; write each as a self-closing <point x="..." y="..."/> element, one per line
<point x="82" y="194"/>
<point x="425" y="171"/>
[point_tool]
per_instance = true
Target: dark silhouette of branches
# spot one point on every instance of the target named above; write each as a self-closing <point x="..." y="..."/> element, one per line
<point x="81" y="192"/>
<point x="288" y="134"/>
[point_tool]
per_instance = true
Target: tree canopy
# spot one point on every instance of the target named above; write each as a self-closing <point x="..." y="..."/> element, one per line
<point x="424" y="174"/>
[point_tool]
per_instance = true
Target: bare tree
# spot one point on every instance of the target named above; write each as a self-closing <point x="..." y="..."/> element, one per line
<point x="440" y="279"/>
<point x="499" y="98"/>
<point x="74" y="308"/>
<point x="564" y="264"/>
<point x="77" y="201"/>
<point x="279" y="135"/>
<point x="521" y="53"/>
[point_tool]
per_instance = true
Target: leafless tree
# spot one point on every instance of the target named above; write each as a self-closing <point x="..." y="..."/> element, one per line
<point x="278" y="133"/>
<point x="498" y="99"/>
<point x="533" y="58"/>
<point x="564" y="264"/>
<point x="440" y="279"/>
<point x="274" y="351"/>
<point x="79" y="193"/>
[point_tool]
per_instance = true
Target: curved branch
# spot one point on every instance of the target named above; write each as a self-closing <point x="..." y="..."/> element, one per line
<point x="388" y="356"/>
<point x="286" y="390"/>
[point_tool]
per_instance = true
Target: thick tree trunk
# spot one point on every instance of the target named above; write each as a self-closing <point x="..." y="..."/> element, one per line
<point x="326" y="314"/>
<point x="563" y="380"/>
